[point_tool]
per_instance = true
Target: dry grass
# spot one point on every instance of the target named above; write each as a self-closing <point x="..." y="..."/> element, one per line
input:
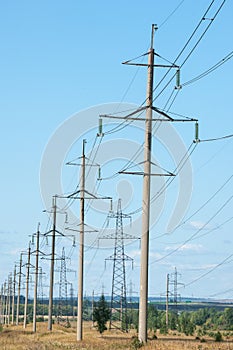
<point x="15" y="338"/>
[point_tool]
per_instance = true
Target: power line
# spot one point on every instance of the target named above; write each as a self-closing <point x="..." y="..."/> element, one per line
<point x="196" y="233"/>
<point x="217" y="138"/>
<point x="210" y="271"/>
<point x="206" y="202"/>
<point x="221" y="293"/>
<point x="215" y="228"/>
<point x="171" y="179"/>
<point x="172" y="13"/>
<point x="192" y="50"/>
<point x="210" y="70"/>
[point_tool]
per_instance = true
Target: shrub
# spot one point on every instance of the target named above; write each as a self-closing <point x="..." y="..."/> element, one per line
<point x="218" y="337"/>
<point x="135" y="343"/>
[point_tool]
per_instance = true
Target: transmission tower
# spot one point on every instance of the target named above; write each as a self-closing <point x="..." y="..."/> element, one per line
<point x="62" y="305"/>
<point x="41" y="291"/>
<point x="72" y="300"/>
<point x="118" y="317"/>
<point x="174" y="281"/>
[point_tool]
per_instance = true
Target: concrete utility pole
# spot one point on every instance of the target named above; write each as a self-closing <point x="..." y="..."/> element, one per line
<point x="81" y="247"/>
<point x="92" y="307"/>
<point x="50" y="313"/>
<point x="27" y="286"/>
<point x="82" y="198"/>
<point x="13" y="297"/>
<point x="167" y="299"/>
<point x="9" y="295"/>
<point x="1" y="306"/>
<point x="146" y="199"/>
<point x="36" y="277"/>
<point x="19" y="288"/>
<point x="147" y="173"/>
<point x="5" y="303"/>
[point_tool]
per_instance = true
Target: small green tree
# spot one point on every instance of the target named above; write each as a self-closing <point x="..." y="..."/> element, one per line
<point x="228" y="318"/>
<point x="218" y="337"/>
<point x="152" y="318"/>
<point x="185" y="324"/>
<point x="101" y="314"/>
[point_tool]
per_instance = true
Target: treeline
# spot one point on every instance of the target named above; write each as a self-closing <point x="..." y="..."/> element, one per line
<point x="187" y="322"/>
<point x="199" y="321"/>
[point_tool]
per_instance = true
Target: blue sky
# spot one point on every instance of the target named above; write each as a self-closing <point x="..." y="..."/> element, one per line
<point x="59" y="58"/>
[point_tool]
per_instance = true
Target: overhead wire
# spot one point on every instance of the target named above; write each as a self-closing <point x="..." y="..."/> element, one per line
<point x="172" y="13"/>
<point x="221" y="293"/>
<point x="209" y="70"/>
<point x="215" y="228"/>
<point x="206" y="202"/>
<point x="201" y="37"/>
<point x="224" y="261"/>
<point x="178" y="168"/>
<point x="195" y="233"/>
<point x="198" y="210"/>
<point x="217" y="138"/>
<point x="187" y="43"/>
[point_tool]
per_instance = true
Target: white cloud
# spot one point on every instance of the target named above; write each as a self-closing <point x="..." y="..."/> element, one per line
<point x="186" y="247"/>
<point x="199" y="225"/>
<point x="192" y="267"/>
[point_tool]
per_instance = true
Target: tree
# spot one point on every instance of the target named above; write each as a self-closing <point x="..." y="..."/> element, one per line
<point x="185" y="324"/>
<point x="101" y="314"/>
<point x="172" y="320"/>
<point x="152" y="318"/>
<point x="228" y="318"/>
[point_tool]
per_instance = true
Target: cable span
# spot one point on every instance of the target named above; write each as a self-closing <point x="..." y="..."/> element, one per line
<point x="218" y="138"/>
<point x="210" y="70"/>
<point x="172" y="13"/>
<point x="205" y="203"/>
<point x="195" y="233"/>
<point x="170" y="180"/>
<point x="211" y="270"/>
<point x="190" y="53"/>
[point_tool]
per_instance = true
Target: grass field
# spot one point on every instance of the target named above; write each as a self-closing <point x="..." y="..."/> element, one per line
<point x="13" y="337"/>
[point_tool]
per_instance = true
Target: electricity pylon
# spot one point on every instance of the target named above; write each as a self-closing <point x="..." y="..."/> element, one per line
<point x="150" y="109"/>
<point x="53" y="232"/>
<point x="19" y="288"/>
<point x="13" y="297"/>
<point x="82" y="194"/>
<point x="40" y="293"/>
<point x="174" y="281"/>
<point x="28" y="266"/>
<point x="62" y="305"/>
<point x="118" y="317"/>
<point x="37" y="253"/>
